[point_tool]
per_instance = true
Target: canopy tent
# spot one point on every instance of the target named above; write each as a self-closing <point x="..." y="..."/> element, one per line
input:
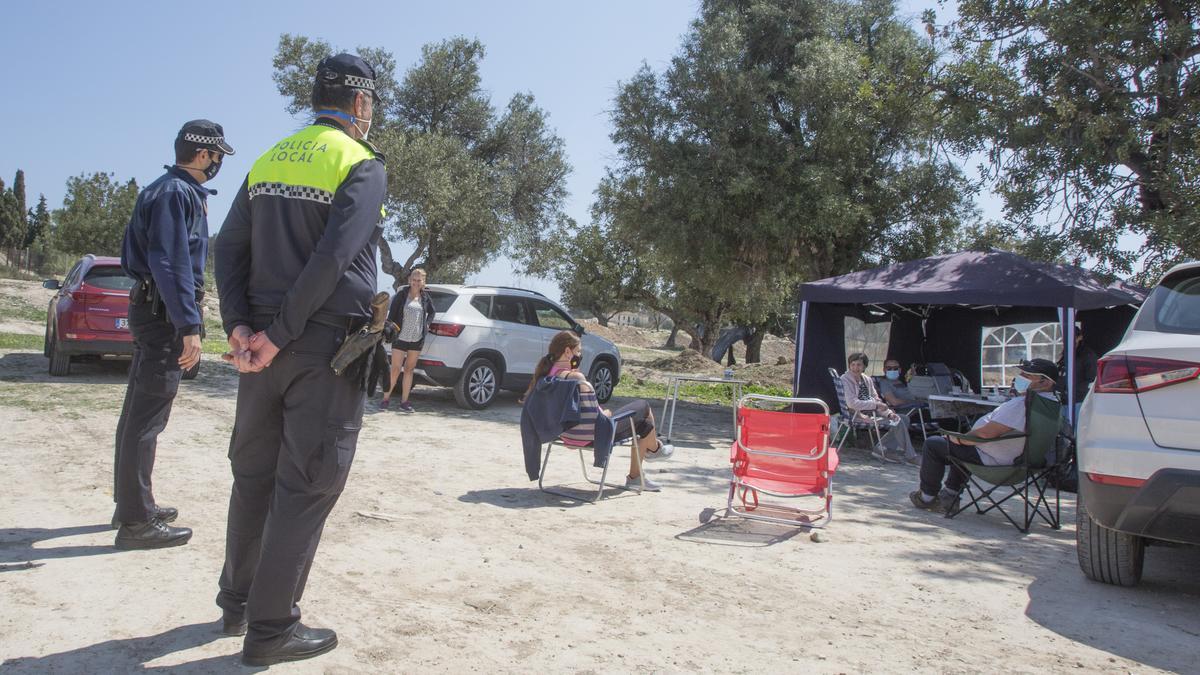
<point x="938" y="306"/>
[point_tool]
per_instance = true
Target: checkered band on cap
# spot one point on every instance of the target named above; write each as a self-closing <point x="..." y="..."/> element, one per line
<point x="360" y="82"/>
<point x="291" y="192"/>
<point x="204" y="140"/>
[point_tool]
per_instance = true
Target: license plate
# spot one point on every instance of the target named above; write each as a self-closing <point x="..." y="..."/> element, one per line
<point x="122" y="323"/>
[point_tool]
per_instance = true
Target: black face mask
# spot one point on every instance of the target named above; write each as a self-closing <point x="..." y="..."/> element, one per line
<point x="210" y="172"/>
<point x="574" y="362"/>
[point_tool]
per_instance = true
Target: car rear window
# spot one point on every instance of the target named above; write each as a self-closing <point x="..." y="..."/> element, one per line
<point x="483" y="303"/>
<point x="1174" y="306"/>
<point x="108" y="278"/>
<point x="442" y="300"/>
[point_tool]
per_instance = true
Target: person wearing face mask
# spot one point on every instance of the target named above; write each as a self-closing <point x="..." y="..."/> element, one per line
<point x="1036" y="378"/>
<point x="295" y="268"/>
<point x="893" y="388"/>
<point x="164" y="251"/>
<point x="562" y="362"/>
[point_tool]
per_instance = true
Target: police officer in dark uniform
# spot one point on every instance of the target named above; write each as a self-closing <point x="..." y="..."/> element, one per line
<point x="164" y="250"/>
<point x="296" y="272"/>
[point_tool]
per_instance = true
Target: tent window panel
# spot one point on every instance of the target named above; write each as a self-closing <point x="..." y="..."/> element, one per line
<point x="1004" y="347"/>
<point x="1046" y="342"/>
<point x="870" y="339"/>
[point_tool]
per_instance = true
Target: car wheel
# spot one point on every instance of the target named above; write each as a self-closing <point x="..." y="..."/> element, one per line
<point x="60" y="361"/>
<point x="478" y="384"/>
<point x="1106" y="555"/>
<point x="191" y="373"/>
<point x="603" y="379"/>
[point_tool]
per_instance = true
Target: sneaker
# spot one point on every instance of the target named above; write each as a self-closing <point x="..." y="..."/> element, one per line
<point x="918" y="501"/>
<point x="384" y="404"/>
<point x="644" y="484"/>
<point x="664" y="451"/>
<point x="405" y="406"/>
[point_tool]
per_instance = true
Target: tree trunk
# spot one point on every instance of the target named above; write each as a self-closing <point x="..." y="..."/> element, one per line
<point x="671" y="338"/>
<point x="601" y="317"/>
<point x="711" y="330"/>
<point x="754" y="346"/>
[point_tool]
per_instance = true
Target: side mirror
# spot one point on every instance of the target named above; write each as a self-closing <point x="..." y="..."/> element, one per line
<point x="51" y="284"/>
<point x="578" y="328"/>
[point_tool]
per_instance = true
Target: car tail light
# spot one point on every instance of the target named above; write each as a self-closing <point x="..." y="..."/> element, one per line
<point x="446" y="329"/>
<point x="1123" y="481"/>
<point x="430" y="363"/>
<point x="1122" y="374"/>
<point x="86" y="296"/>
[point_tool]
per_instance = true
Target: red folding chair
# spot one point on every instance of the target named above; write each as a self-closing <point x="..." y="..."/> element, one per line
<point x="782" y="453"/>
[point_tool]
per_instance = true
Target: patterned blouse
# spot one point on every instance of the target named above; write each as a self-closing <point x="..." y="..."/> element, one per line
<point x="414" y="321"/>
<point x="589" y="407"/>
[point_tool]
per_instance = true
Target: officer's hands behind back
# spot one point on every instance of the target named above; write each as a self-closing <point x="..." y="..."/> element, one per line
<point x="262" y="351"/>
<point x="239" y="348"/>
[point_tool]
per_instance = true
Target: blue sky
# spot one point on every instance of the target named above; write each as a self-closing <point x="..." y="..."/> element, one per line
<point x="105" y="86"/>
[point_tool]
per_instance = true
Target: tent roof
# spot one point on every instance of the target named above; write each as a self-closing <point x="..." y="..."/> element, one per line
<point x="971" y="278"/>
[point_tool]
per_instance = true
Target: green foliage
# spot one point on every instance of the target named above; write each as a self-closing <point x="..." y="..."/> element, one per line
<point x="1088" y="112"/>
<point x="12" y="216"/>
<point x="95" y="211"/>
<point x="39" y="222"/>
<point x="464" y="182"/>
<point x="788" y="140"/>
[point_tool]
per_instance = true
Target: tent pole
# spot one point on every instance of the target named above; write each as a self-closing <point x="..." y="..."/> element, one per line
<point x="801" y="323"/>
<point x="1069" y="350"/>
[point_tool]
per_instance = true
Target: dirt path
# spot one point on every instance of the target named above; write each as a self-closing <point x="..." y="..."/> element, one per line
<point x="465" y="566"/>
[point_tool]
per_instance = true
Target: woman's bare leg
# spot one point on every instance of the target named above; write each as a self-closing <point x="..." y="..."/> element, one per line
<point x="647" y="444"/>
<point x="397" y="361"/>
<point x="410" y="363"/>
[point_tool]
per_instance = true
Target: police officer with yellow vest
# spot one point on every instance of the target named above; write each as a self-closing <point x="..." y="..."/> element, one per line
<point x="295" y="268"/>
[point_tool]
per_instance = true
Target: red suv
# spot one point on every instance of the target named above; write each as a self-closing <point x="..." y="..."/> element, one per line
<point x="89" y="316"/>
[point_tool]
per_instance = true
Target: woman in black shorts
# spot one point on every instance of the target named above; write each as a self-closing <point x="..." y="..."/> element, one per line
<point x="412" y="310"/>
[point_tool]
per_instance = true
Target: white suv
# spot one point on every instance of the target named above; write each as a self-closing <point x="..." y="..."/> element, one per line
<point x="487" y="338"/>
<point x="1139" y="436"/>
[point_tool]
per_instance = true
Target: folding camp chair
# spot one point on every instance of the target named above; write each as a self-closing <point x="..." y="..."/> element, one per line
<point x="851" y="421"/>
<point x="1027" y="477"/>
<point x="781" y="453"/>
<point x="633" y="448"/>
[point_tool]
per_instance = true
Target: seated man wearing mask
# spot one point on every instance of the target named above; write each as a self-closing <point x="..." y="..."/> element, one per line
<point x="893" y="389"/>
<point x="1036" y="378"/>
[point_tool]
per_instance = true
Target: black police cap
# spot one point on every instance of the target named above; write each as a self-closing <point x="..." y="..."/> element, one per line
<point x="206" y="134"/>
<point x="349" y="70"/>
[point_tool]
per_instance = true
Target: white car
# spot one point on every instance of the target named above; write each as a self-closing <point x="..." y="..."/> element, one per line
<point x="1139" y="436"/>
<point x="487" y="338"/>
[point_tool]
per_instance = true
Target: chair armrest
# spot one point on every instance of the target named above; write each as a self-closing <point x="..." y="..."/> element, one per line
<point x="623" y="415"/>
<point x="978" y="440"/>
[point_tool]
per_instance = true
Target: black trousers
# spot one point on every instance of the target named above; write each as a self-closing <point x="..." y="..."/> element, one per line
<point x="642" y="422"/>
<point x="153" y="382"/>
<point x="935" y="460"/>
<point x="294" y="437"/>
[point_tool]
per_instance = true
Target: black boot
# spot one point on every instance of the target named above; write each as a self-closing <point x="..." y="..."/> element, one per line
<point x="167" y="514"/>
<point x="304" y="643"/>
<point x="154" y="534"/>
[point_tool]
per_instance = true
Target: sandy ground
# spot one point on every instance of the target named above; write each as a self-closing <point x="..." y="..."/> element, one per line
<point x="467" y="567"/>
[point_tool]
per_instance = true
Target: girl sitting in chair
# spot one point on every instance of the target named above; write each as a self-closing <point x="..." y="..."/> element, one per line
<point x="562" y="361"/>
